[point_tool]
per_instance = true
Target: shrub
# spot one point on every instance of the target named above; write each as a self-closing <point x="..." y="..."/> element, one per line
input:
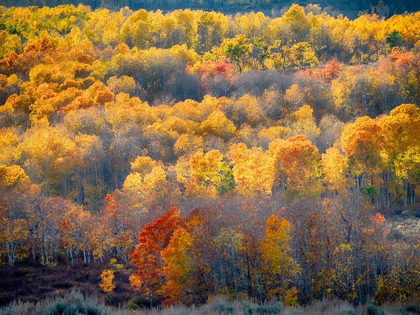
<point x="132" y="306"/>
<point x="413" y="309"/>
<point x="79" y="309"/>
<point x="225" y="309"/>
<point x="374" y="310"/>
<point x="137" y="303"/>
<point x="74" y="304"/>
<point x="252" y="308"/>
<point x="270" y="309"/>
<point x="249" y="308"/>
<point x="58" y="308"/>
<point x="74" y="310"/>
<point x="345" y="311"/>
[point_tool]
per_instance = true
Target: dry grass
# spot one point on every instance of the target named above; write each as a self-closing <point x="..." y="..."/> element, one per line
<point x="75" y="303"/>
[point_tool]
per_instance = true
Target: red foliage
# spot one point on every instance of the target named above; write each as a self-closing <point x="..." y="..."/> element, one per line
<point x="332" y="70"/>
<point x="153" y="239"/>
<point x="379" y="218"/>
<point x="211" y="68"/>
<point x="404" y="60"/>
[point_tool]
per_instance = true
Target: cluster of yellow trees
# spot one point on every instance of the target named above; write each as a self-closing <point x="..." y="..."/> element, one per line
<point x="280" y="134"/>
<point x="361" y="40"/>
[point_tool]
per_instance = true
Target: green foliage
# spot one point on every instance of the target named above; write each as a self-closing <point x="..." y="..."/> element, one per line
<point x="394" y="39"/>
<point x="237" y="48"/>
<point x="371" y="191"/>
<point x="225" y="182"/>
<point x="137" y="303"/>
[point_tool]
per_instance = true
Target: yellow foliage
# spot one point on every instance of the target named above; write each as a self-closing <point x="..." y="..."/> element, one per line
<point x="296" y="163"/>
<point x="294" y="95"/>
<point x="178" y="265"/>
<point x="275" y="132"/>
<point x="336" y="171"/>
<point x="253" y="170"/>
<point x="362" y="142"/>
<point x="305" y="124"/>
<point x="106" y="283"/>
<point x="217" y="124"/>
<point x="291" y="297"/>
<point x="188" y="143"/>
<point x="12" y="176"/>
<point x="153" y="187"/>
<point x="135" y="282"/>
<point x="143" y="165"/>
<point x="8" y="142"/>
<point x="276" y="247"/>
<point x="201" y="174"/>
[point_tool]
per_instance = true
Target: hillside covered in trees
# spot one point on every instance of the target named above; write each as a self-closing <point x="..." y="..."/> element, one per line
<point x="273" y="7"/>
<point x="244" y="156"/>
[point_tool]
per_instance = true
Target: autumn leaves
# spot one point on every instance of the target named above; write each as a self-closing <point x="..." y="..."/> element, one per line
<point x="172" y="262"/>
<point x="110" y="119"/>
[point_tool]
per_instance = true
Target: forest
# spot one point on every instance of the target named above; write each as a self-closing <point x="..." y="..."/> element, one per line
<point x="198" y="154"/>
<point x="274" y="7"/>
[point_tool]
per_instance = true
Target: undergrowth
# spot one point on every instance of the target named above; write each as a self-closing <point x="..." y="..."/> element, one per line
<point x="74" y="303"/>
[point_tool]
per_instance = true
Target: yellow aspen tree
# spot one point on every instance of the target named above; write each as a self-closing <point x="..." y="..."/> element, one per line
<point x="106" y="284"/>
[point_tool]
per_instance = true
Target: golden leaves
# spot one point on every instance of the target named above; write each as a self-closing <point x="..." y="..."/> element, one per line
<point x="336" y="171"/>
<point x="106" y="283"/>
<point x="253" y="170"/>
<point x="12" y="177"/>
<point x="217" y="124"/>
